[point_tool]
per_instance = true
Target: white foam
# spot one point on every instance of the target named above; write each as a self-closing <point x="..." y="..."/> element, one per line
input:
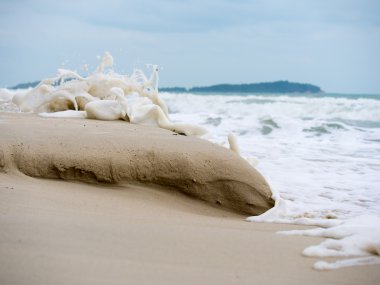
<point x="64" y="114"/>
<point x="233" y="143"/>
<point x="358" y="236"/>
<point x="323" y="265"/>
<point x="103" y="95"/>
<point x="6" y="96"/>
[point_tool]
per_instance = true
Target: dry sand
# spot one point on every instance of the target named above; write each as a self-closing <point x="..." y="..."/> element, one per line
<point x="60" y="232"/>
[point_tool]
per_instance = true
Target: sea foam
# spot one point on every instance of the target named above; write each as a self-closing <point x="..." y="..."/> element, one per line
<point x="103" y="95"/>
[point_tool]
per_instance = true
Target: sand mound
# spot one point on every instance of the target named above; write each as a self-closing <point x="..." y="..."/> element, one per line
<point x="111" y="152"/>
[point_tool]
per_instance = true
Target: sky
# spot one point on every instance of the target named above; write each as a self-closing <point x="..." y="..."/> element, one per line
<point x="334" y="44"/>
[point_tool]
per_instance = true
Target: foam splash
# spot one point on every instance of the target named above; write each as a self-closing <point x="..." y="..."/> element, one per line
<point x="103" y="95"/>
<point x="6" y="96"/>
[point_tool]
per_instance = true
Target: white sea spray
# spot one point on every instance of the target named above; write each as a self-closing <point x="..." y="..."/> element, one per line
<point x="103" y="95"/>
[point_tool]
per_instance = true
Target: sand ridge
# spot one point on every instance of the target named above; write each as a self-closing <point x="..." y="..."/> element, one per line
<point x="111" y="152"/>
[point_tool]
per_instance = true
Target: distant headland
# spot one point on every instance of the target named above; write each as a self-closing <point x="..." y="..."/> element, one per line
<point x="264" y="87"/>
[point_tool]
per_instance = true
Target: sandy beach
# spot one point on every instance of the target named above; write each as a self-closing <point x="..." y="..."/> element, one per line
<point x="96" y="224"/>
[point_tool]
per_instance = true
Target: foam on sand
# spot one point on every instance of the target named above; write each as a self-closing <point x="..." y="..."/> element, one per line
<point x="359" y="236"/>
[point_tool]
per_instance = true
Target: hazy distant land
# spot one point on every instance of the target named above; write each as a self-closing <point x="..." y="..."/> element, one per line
<point x="263" y="87"/>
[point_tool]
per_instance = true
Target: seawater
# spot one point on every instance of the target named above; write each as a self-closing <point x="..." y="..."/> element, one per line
<point x="320" y="152"/>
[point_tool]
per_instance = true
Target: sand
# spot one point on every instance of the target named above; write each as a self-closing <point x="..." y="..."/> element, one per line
<point x="65" y="232"/>
<point x="111" y="152"/>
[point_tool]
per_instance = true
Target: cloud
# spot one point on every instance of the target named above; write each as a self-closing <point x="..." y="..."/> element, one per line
<point x="198" y="42"/>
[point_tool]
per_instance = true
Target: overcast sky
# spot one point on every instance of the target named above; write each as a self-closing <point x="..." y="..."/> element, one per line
<point x="331" y="43"/>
